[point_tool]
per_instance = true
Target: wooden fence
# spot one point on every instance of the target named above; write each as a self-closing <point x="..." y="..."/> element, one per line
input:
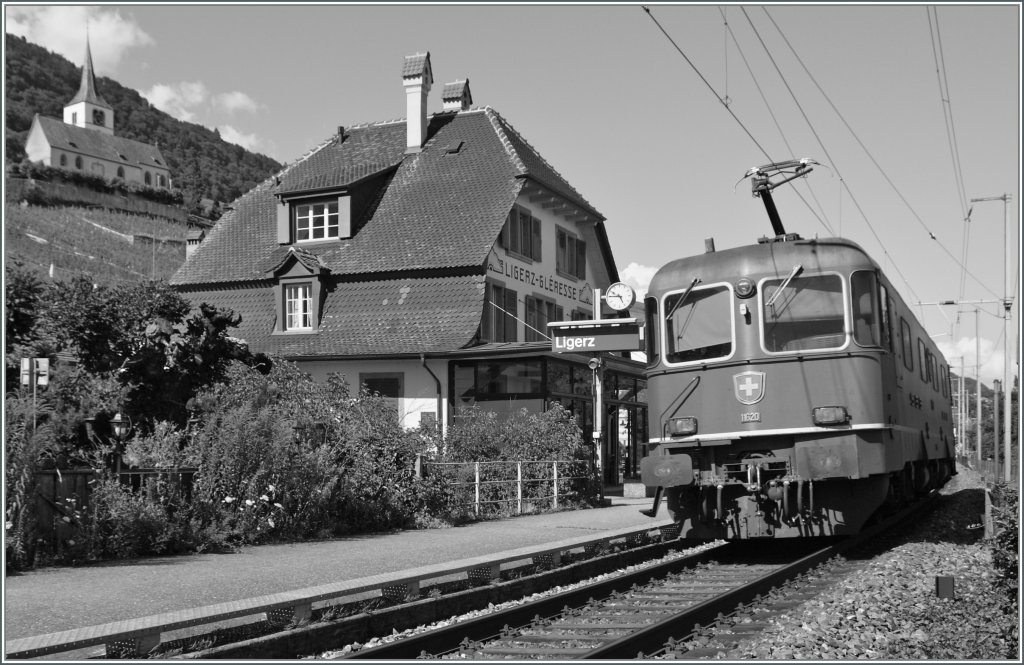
<point x="63" y="497"/>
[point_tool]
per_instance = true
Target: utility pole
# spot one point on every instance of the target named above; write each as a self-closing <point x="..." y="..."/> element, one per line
<point x="997" y="385"/>
<point x="977" y="368"/>
<point x="977" y="374"/>
<point x="961" y="420"/>
<point x="1007" y="304"/>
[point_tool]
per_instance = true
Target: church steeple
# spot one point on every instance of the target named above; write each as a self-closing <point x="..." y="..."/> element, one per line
<point x="87" y="109"/>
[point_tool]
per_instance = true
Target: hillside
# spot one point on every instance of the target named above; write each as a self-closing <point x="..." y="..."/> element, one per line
<point x="202" y="164"/>
<point x="106" y="246"/>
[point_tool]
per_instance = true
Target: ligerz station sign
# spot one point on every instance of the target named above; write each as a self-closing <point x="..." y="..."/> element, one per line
<point x="593" y="336"/>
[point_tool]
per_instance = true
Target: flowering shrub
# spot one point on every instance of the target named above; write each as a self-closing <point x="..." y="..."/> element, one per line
<point x="328" y="463"/>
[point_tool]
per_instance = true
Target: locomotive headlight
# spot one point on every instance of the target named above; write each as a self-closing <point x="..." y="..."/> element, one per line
<point x="682" y="426"/>
<point x="744" y="287"/>
<point x="830" y="415"/>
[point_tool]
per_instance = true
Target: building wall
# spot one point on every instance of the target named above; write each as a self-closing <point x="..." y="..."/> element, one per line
<point x="541" y="278"/>
<point x="419" y="388"/>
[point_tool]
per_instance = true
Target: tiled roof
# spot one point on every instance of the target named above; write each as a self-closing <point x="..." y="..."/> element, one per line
<point x="454" y="91"/>
<point x="537" y="168"/>
<point x="415" y="65"/>
<point x="437" y="210"/>
<point x="400" y="316"/>
<point x="89" y="141"/>
<point x="317" y="174"/>
<point x="311" y="261"/>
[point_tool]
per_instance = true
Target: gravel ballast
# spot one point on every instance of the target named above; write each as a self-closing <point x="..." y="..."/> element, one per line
<point x="891" y="609"/>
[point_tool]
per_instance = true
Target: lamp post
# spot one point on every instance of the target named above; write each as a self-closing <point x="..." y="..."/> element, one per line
<point x="121" y="427"/>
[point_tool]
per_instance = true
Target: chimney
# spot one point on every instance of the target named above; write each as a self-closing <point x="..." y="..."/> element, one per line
<point x="456" y="96"/>
<point x="417" y="79"/>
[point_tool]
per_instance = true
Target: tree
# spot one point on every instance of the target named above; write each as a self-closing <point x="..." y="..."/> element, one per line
<point x="22" y="293"/>
<point x="179" y="358"/>
<point x="144" y="336"/>
<point x="105" y="325"/>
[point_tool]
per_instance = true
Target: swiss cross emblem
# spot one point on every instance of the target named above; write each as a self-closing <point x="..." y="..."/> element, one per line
<point x="749" y="386"/>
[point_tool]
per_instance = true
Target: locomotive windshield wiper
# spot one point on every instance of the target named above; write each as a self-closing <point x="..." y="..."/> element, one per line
<point x="682" y="298"/>
<point x="782" y="287"/>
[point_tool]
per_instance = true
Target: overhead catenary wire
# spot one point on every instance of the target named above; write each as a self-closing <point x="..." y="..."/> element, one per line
<point x="726" y="106"/>
<point x="821" y="143"/>
<point x="874" y="161"/>
<point x="775" y="120"/>
<point x="954" y="148"/>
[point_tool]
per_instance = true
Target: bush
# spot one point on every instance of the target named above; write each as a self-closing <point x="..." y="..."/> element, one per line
<point x="327" y="463"/>
<point x="1005" y="555"/>
<point x="24" y="452"/>
<point x="121" y="524"/>
<point x="39" y="171"/>
<point x="480" y="436"/>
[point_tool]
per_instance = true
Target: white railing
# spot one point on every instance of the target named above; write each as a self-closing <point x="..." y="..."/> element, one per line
<point x="493" y="481"/>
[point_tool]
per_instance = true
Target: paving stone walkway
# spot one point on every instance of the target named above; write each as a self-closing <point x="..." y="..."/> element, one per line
<point x="49" y="600"/>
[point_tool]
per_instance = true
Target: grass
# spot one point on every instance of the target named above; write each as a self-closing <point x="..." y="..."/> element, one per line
<point x="107" y="246"/>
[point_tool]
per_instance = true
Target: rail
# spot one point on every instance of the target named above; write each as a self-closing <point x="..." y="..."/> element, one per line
<point x="143" y="634"/>
<point x="521" y="498"/>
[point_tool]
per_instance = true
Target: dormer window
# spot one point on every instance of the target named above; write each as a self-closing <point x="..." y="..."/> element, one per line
<point x="298" y="292"/>
<point x="298" y="304"/>
<point x="314" y="219"/>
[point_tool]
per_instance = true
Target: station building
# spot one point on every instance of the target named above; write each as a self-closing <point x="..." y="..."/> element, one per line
<point x="424" y="258"/>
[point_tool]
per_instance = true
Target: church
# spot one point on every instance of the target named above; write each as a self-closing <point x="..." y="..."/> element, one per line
<point x="84" y="141"/>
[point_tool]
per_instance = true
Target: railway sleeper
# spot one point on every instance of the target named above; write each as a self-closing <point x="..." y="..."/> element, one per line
<point x="524" y="652"/>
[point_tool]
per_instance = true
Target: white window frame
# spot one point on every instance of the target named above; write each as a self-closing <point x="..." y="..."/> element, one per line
<point x="802" y="352"/>
<point x="317" y="216"/>
<point x="663" y="324"/>
<point x="298" y="306"/>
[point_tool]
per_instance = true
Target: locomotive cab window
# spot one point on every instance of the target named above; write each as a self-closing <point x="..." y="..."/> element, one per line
<point x="651" y="330"/>
<point x="866" y="310"/>
<point x="803" y="313"/>
<point x="906" y="344"/>
<point x="698" y="324"/>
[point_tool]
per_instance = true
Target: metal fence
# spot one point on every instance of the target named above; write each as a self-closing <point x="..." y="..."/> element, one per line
<point x="991" y="470"/>
<point x="514" y="486"/>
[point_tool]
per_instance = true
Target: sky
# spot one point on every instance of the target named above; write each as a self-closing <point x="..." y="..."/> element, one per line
<point x="910" y="111"/>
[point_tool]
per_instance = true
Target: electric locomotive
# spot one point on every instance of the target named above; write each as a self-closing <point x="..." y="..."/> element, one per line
<point x="791" y="392"/>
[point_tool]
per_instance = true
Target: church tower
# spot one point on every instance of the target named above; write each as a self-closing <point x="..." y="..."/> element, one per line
<point x="87" y="109"/>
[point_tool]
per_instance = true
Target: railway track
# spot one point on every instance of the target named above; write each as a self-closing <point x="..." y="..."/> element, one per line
<point x="626" y="616"/>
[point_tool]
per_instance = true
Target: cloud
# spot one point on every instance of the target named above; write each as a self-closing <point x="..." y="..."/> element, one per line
<point x="180" y="100"/>
<point x="233" y="102"/>
<point x="966" y="348"/>
<point x="639" y="277"/>
<point x="62" y="29"/>
<point x="231" y="135"/>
